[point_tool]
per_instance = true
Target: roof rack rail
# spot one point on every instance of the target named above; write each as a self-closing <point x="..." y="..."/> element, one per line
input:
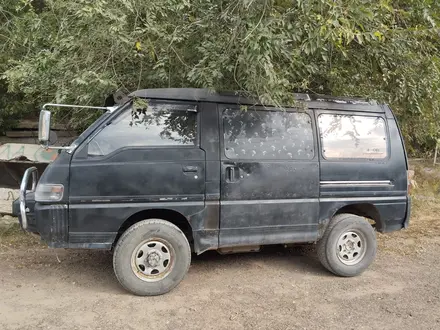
<point x="338" y="99"/>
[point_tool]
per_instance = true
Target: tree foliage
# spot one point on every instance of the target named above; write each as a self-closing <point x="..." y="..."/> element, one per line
<point x="81" y="51"/>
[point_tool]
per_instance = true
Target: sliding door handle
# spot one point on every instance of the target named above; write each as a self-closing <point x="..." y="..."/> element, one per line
<point x="232" y="174"/>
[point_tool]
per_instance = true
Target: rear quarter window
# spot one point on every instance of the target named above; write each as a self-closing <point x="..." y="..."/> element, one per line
<point x="353" y="136"/>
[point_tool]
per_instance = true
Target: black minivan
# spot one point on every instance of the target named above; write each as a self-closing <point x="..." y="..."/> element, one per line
<point x="175" y="171"/>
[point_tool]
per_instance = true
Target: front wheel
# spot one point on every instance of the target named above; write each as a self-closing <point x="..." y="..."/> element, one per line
<point x="151" y="257"/>
<point x="348" y="246"/>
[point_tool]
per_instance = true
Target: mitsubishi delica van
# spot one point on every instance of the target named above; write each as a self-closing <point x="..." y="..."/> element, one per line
<point x="179" y="171"/>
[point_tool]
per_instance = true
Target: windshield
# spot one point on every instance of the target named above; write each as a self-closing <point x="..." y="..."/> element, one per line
<point x="84" y="134"/>
<point x="91" y="128"/>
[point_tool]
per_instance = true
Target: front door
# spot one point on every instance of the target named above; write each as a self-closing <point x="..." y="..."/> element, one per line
<point x="142" y="159"/>
<point x="269" y="177"/>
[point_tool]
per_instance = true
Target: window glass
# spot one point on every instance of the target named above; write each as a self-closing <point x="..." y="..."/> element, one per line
<point x="345" y="136"/>
<point x="267" y="135"/>
<point x="158" y="124"/>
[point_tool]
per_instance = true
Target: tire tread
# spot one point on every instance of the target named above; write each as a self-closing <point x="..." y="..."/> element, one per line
<point x="322" y="246"/>
<point x="127" y="234"/>
<point x="322" y="243"/>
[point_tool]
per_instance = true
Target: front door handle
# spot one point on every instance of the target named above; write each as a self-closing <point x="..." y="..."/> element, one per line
<point x="190" y="169"/>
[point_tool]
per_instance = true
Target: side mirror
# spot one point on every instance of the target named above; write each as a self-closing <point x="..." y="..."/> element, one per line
<point x="44" y="127"/>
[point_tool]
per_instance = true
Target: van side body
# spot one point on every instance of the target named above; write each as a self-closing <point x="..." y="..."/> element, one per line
<point x="230" y="178"/>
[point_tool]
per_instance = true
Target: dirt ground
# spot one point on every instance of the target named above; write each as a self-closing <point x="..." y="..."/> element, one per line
<point x="275" y="289"/>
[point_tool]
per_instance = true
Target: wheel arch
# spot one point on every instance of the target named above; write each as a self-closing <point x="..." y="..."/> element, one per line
<point x="169" y="215"/>
<point x="366" y="210"/>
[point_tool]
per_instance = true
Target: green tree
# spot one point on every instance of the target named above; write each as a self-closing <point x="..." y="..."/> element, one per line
<point x="81" y="51"/>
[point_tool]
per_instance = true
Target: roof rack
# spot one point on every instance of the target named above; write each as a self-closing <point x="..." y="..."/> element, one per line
<point x="314" y="100"/>
<point x="334" y="99"/>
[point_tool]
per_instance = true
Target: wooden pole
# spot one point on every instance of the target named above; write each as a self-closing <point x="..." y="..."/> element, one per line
<point x="435" y="153"/>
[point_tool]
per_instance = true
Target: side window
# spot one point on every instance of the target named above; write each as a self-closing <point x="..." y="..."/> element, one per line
<point x="345" y="136"/>
<point x="267" y="135"/>
<point x="157" y="125"/>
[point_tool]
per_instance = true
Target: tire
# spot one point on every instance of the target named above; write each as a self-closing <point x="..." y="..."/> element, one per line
<point x="348" y="245"/>
<point x="151" y="257"/>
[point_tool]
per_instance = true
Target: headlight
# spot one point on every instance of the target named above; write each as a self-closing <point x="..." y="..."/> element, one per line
<point x="49" y="192"/>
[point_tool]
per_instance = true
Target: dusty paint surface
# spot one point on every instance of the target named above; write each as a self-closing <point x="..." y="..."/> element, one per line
<point x="33" y="152"/>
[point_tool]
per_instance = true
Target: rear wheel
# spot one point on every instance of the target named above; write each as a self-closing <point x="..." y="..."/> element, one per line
<point x="151" y="257"/>
<point x="348" y="246"/>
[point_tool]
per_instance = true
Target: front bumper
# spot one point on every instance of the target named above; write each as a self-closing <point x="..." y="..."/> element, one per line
<point x="30" y="212"/>
<point x="22" y="210"/>
<point x="50" y="221"/>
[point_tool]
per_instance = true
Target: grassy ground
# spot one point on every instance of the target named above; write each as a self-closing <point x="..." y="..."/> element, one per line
<point x="424" y="225"/>
<point x="423" y="229"/>
<point x="13" y="237"/>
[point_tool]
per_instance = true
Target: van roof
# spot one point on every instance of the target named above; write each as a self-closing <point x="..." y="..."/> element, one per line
<point x="206" y="95"/>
